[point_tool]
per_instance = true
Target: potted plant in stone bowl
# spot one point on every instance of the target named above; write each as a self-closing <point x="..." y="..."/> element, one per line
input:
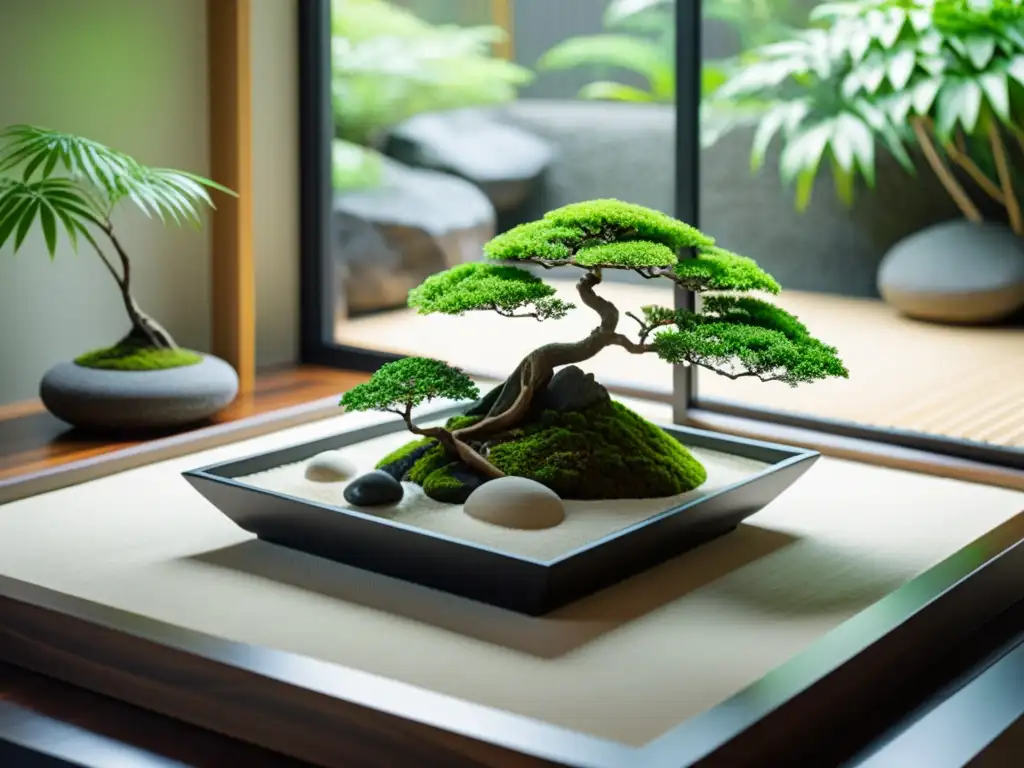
<point x="551" y="424"/>
<point x="69" y="185"/>
<point x="944" y="76"/>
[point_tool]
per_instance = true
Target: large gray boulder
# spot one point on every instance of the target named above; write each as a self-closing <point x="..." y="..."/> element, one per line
<point x="391" y="237"/>
<point x="956" y="272"/>
<point x="503" y="160"/>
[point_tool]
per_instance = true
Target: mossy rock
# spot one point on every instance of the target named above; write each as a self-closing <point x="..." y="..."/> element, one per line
<point x="134" y="357"/>
<point x="603" y="452"/>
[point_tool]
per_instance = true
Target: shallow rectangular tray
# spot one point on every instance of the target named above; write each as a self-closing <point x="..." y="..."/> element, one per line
<point x="514" y="582"/>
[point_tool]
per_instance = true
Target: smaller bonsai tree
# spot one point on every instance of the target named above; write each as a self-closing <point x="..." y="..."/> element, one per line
<point x="70" y="184"/>
<point x="405" y="384"/>
<point x="609" y="449"/>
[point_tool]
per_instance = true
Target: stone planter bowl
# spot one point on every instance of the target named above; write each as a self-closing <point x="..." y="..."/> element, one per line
<point x="137" y="400"/>
<point x="955" y="272"/>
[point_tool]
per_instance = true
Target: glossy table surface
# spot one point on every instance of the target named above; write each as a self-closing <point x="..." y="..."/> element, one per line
<point x="968" y="713"/>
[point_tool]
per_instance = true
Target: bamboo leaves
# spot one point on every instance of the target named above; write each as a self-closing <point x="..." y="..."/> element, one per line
<point x="68" y="183"/>
<point x="56" y="203"/>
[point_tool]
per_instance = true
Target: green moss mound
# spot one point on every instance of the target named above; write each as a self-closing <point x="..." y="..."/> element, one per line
<point x="603" y="452"/>
<point x="131" y="357"/>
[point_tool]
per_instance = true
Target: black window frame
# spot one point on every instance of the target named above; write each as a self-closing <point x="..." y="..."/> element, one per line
<point x="316" y="129"/>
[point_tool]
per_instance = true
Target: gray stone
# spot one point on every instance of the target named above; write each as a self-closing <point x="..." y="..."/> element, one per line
<point x="516" y="502"/>
<point x="956" y="272"/>
<point x="133" y="400"/>
<point x="393" y="236"/>
<point x="330" y="467"/>
<point x="570" y="389"/>
<point x="373" y="489"/>
<point x="505" y="161"/>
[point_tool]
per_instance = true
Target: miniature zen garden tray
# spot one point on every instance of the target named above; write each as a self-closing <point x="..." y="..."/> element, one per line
<point x="767" y="641"/>
<point x="437" y="545"/>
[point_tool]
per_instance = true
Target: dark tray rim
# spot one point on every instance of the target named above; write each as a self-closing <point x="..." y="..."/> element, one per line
<point x="773" y="455"/>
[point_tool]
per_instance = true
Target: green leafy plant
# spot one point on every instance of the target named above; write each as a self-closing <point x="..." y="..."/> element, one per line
<point x="640" y="39"/>
<point x="734" y="334"/>
<point x="389" y="65"/>
<point x="71" y="185"/>
<point x="946" y="75"/>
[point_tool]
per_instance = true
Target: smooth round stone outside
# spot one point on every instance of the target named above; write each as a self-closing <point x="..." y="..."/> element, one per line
<point x="330" y="467"/>
<point x="955" y="272"/>
<point x="374" y="489"/>
<point x="133" y="400"/>
<point x="516" y="502"/>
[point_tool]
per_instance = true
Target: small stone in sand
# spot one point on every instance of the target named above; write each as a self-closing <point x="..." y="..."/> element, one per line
<point x="373" y="489"/>
<point x="329" y="467"/>
<point x="516" y="502"/>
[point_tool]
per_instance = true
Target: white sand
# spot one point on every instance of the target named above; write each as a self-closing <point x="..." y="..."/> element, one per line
<point x="585" y="523"/>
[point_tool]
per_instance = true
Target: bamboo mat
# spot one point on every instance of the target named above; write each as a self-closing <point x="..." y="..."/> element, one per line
<point x="956" y="382"/>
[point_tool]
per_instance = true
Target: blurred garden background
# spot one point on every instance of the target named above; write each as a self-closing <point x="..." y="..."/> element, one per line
<point x="867" y="154"/>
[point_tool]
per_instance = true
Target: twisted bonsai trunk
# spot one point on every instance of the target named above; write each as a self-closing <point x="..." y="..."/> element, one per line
<point x="508" y="403"/>
<point x="145" y="331"/>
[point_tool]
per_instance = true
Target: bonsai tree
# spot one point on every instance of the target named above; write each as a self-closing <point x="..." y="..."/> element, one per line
<point x="389" y="65"/>
<point x="946" y="75"/>
<point x="70" y="184"/>
<point x="733" y="333"/>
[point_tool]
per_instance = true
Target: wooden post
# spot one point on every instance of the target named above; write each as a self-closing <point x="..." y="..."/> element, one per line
<point x="229" y="40"/>
<point x="502" y="16"/>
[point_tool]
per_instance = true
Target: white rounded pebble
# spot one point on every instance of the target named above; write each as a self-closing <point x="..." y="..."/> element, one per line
<point x="330" y="467"/>
<point x="515" y="502"/>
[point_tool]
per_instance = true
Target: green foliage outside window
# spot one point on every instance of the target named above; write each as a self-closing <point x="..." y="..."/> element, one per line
<point x="389" y="65"/>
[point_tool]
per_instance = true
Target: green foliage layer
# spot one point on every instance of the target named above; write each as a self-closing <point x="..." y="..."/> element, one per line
<point x="716" y="269"/>
<point x="756" y="337"/>
<point x="629" y="253"/>
<point x="407" y="383"/>
<point x="567" y="230"/>
<point x="509" y="291"/>
<point x="132" y="357"/>
<point x="604" y="452"/>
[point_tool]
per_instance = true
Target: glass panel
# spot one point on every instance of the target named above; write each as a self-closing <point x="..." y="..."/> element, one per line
<point x="881" y="203"/>
<point x="457" y="120"/>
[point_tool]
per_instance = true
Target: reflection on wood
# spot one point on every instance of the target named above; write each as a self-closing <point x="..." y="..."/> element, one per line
<point x="32" y="441"/>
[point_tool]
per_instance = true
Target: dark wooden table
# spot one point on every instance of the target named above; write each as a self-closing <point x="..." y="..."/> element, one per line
<point x="33" y="441"/>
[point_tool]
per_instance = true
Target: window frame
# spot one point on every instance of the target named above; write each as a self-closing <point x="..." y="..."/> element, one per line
<point x="317" y="283"/>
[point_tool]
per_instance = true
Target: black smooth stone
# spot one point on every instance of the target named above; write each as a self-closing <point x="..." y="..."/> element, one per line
<point x="373" y="489"/>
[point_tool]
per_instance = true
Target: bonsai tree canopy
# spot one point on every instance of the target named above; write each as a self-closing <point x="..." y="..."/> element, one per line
<point x="732" y="334"/>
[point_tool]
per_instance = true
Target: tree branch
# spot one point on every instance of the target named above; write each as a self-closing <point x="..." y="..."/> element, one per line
<point x="961" y="158"/>
<point x="107" y="264"/>
<point x="1005" y="179"/>
<point x="948" y="180"/>
<point x="607" y="311"/>
<point x="534" y="315"/>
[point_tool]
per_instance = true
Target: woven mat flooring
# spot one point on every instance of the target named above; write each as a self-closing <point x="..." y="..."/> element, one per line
<point x="965" y="383"/>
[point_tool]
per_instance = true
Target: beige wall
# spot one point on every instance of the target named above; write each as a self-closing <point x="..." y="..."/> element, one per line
<point x="132" y="74"/>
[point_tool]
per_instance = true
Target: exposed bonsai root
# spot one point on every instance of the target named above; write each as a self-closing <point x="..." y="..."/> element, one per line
<point x="146" y="332"/>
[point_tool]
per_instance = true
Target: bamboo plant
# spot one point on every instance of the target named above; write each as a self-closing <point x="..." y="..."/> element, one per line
<point x="71" y="184"/>
<point x="946" y="76"/>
